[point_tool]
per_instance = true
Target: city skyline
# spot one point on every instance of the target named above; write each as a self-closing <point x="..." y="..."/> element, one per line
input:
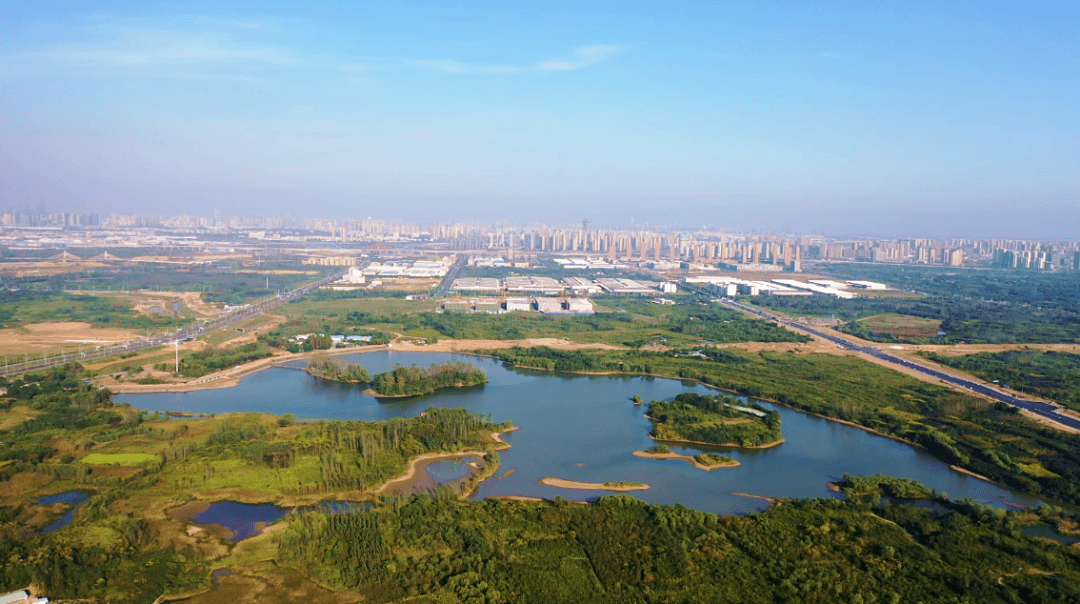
<point x="938" y="121"/>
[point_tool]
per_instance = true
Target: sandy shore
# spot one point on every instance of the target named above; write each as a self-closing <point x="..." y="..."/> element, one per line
<point x="970" y="473"/>
<point x="690" y="458"/>
<point x="415" y="463"/>
<point x="592" y="486"/>
<point x="771" y="500"/>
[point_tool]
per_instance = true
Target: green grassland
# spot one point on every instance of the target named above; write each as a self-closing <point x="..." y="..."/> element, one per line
<point x="104" y="310"/>
<point x="1053" y="375"/>
<point x="620" y="321"/>
<point x="120" y="459"/>
<point x="902" y="326"/>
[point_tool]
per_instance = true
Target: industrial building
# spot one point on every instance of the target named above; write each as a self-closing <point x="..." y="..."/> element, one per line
<point x="477" y="284"/>
<point x="533" y="285"/>
<point x="579" y="306"/>
<point x="817" y="289"/>
<point x="549" y="305"/>
<point x="519" y="304"/>
<point x="580" y="285"/>
<point x="868" y="285"/>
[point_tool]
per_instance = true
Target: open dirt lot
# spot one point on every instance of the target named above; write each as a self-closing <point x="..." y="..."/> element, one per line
<point x="36" y="338"/>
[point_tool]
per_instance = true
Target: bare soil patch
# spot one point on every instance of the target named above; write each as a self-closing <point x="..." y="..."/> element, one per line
<point x="37" y="338"/>
<point x="592" y="486"/>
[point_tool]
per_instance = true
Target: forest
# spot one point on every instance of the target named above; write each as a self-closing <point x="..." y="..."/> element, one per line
<point x="621" y="549"/>
<point x="718" y="420"/>
<point x="993" y="440"/>
<point x="1050" y="374"/>
<point x="415" y="380"/>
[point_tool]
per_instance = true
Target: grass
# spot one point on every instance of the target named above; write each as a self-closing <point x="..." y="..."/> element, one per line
<point x="121" y="459"/>
<point x="903" y="326"/>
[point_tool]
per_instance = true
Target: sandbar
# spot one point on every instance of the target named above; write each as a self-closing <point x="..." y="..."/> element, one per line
<point x="621" y="487"/>
<point x="690" y="458"/>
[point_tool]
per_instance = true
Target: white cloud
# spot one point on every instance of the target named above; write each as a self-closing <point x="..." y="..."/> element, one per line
<point x="580" y="57"/>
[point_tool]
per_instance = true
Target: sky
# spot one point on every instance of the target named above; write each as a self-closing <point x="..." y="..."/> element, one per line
<point x="902" y="118"/>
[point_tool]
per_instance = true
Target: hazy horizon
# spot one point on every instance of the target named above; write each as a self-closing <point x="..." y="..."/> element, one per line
<point x="935" y="120"/>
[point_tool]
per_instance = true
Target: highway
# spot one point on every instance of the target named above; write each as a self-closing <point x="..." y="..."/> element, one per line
<point x="451" y="275"/>
<point x="203" y="328"/>
<point x="1046" y="410"/>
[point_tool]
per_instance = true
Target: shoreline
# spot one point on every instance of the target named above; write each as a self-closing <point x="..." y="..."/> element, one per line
<point x="731" y="445"/>
<point x="416" y="461"/>
<point x="489" y="469"/>
<point x="689" y="458"/>
<point x="562" y="483"/>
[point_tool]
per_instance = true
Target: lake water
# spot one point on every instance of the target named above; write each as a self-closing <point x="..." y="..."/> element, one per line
<point x="585" y="428"/>
<point x="73" y="498"/>
<point x="240" y="518"/>
<point x="449" y="470"/>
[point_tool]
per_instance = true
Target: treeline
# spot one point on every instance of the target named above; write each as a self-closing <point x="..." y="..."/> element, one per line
<point x="210" y="360"/>
<point x="993" y="440"/>
<point x="338" y="369"/>
<point x="1050" y="374"/>
<point x="880" y="484"/>
<point x="624" y="550"/>
<point x="713" y="419"/>
<point x="722" y="325"/>
<point x="415" y="380"/>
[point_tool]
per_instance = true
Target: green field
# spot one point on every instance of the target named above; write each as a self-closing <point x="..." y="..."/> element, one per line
<point x="119" y="459"/>
<point x="902" y="326"/>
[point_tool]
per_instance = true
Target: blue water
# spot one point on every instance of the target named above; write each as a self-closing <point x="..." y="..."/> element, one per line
<point x="585" y="428"/>
<point x="240" y="518"/>
<point x="75" y="498"/>
<point x="450" y="470"/>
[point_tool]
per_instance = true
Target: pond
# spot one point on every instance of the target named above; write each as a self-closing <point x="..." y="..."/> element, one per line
<point x="72" y="498"/>
<point x="242" y="519"/>
<point x="585" y="428"/>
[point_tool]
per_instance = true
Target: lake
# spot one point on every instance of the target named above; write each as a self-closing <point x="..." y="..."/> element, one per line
<point x="585" y="428"/>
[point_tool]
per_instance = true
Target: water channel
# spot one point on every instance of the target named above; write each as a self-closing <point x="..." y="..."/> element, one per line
<point x="585" y="428"/>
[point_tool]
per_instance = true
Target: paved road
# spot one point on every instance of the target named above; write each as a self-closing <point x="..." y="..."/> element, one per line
<point x="451" y="275"/>
<point x="1044" y="409"/>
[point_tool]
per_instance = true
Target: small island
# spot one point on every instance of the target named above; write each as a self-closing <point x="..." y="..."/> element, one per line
<point x="338" y="370"/>
<point x="701" y="461"/>
<point x="621" y="487"/>
<point x="714" y="420"/>
<point x="415" y="380"/>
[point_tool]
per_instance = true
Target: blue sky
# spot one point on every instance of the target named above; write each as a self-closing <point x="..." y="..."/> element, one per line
<point x="902" y="118"/>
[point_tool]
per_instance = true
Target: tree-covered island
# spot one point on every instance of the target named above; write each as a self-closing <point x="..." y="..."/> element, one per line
<point x="338" y="370"/>
<point x="415" y="380"/>
<point x="715" y="420"/>
<point x="401" y="381"/>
